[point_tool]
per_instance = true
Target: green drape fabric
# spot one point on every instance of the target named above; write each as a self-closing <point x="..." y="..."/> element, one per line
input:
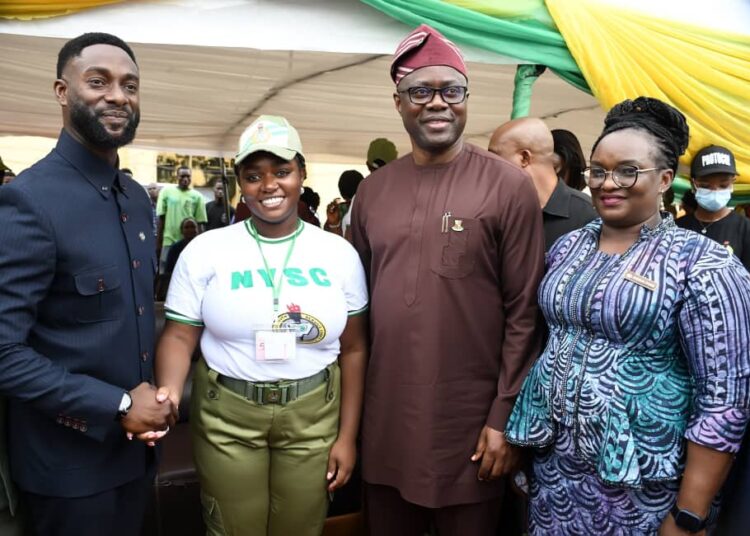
<point x="528" y="35"/>
<point x="526" y="75"/>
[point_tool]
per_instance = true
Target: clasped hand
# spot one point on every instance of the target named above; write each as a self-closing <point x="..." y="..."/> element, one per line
<point x="495" y="455"/>
<point x="152" y="413"/>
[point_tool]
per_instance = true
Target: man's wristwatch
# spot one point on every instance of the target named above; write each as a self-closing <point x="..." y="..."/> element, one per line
<point x="125" y="404"/>
<point x="687" y="520"/>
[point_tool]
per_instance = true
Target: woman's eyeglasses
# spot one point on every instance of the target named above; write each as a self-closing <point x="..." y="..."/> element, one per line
<point x="623" y="176"/>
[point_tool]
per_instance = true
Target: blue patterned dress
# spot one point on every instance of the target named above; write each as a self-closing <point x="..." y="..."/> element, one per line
<point x="646" y="349"/>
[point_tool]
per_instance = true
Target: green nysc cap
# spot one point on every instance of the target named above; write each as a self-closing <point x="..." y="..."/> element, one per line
<point x="271" y="133"/>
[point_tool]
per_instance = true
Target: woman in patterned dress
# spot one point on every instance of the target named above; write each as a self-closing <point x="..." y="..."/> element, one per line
<point x="642" y="394"/>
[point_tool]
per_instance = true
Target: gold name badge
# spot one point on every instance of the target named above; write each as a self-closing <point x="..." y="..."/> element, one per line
<point x="640" y="280"/>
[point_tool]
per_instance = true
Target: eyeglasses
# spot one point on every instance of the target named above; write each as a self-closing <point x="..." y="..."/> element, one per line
<point x="623" y="176"/>
<point x="424" y="95"/>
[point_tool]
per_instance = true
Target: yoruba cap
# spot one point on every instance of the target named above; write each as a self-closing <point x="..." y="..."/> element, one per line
<point x="381" y="149"/>
<point x="713" y="159"/>
<point x="425" y="47"/>
<point x="271" y="133"/>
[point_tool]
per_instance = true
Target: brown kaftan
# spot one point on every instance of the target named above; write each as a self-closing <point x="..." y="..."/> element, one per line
<point x="454" y="255"/>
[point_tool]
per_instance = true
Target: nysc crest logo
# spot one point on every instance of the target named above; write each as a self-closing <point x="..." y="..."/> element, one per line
<point x="261" y="135"/>
<point x="307" y="328"/>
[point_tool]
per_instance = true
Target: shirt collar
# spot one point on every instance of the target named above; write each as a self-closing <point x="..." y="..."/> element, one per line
<point x="559" y="202"/>
<point x="96" y="171"/>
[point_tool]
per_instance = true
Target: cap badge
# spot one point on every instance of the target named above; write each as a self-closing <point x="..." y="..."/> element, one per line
<point x="261" y="134"/>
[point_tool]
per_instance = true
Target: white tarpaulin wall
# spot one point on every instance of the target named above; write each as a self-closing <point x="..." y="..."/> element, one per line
<point x="209" y="68"/>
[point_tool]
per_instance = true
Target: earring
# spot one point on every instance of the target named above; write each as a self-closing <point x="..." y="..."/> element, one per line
<point x="302" y="189"/>
<point x="242" y="198"/>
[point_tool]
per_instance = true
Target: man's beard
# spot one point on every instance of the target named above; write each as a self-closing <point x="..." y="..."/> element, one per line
<point x="86" y="121"/>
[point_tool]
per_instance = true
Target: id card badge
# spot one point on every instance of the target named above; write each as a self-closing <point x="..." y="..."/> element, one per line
<point x="275" y="344"/>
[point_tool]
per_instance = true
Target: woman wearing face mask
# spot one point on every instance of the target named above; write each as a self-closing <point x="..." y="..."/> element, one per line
<point x="641" y="396"/>
<point x="713" y="174"/>
<point x="278" y="307"/>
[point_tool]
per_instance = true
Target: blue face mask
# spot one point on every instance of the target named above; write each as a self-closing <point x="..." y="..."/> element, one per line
<point x="713" y="200"/>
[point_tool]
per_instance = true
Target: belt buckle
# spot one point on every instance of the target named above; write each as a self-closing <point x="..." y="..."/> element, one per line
<point x="272" y="394"/>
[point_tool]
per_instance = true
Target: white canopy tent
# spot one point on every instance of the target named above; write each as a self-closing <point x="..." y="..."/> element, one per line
<point x="209" y="68"/>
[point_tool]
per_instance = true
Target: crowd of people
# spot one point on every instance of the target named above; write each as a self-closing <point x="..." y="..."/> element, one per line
<point x="486" y="326"/>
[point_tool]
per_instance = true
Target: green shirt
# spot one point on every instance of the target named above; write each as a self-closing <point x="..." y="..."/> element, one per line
<point x="176" y="205"/>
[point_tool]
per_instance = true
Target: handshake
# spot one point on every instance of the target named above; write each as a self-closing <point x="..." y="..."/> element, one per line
<point x="151" y="414"/>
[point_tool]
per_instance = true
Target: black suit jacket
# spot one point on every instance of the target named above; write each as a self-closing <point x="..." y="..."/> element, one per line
<point x="77" y="259"/>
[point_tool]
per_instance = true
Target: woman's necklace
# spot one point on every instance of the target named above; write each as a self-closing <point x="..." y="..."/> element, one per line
<point x="706" y="225"/>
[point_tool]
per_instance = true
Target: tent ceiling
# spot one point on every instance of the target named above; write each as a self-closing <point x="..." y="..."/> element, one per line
<point x="198" y="99"/>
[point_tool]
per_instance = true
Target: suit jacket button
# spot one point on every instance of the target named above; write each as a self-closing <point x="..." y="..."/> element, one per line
<point x="124" y="217"/>
<point x="144" y="356"/>
<point x="136" y="263"/>
<point x="84" y="428"/>
<point x="59" y="419"/>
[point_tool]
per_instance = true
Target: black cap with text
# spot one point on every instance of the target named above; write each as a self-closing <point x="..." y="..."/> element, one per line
<point x="713" y="159"/>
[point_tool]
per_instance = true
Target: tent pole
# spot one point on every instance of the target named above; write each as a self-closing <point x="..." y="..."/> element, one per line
<point x="526" y="75"/>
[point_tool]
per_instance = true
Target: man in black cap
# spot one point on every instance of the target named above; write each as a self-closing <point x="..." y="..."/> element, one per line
<point x="713" y="172"/>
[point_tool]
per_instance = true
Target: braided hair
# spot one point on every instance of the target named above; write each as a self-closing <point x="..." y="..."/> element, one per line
<point x="666" y="124"/>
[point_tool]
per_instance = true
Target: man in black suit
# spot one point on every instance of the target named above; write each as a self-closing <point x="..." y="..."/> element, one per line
<point x="528" y="143"/>
<point x="76" y="309"/>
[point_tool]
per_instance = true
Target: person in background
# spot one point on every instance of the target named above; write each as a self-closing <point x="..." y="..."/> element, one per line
<point x="77" y="310"/>
<point x="189" y="230"/>
<point x="309" y="202"/>
<point x="641" y="396"/>
<point x="241" y="212"/>
<point x="569" y="159"/>
<point x="527" y="142"/>
<point x="279" y="307"/>
<point x="379" y="153"/>
<point x="668" y="201"/>
<point x="451" y="237"/>
<point x="338" y="208"/>
<point x="173" y="206"/>
<point x="127" y="171"/>
<point x="153" y="196"/>
<point x="216" y="212"/>
<point x="5" y="171"/>
<point x="688" y="204"/>
<point x="713" y="173"/>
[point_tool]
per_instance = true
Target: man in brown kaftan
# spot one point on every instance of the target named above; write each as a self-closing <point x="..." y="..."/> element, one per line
<point x="451" y="238"/>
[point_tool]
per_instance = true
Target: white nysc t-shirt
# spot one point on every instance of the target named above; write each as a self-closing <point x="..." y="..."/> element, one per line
<point x="220" y="282"/>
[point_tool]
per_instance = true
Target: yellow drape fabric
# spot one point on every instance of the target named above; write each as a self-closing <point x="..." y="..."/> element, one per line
<point x="704" y="73"/>
<point x="39" y="9"/>
<point x="508" y="9"/>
